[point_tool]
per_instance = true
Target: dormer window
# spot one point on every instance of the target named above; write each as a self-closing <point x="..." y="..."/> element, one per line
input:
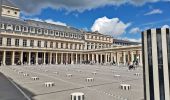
<point x="17" y="28"/>
<point x="46" y="32"/>
<point x="52" y="33"/>
<point x="25" y="29"/>
<point x="39" y="31"/>
<point x="57" y="33"/>
<point x="32" y="30"/>
<point x="9" y="27"/>
<point x="2" y="26"/>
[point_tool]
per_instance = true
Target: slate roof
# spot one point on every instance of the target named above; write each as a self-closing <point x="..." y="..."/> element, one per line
<point x="8" y="3"/>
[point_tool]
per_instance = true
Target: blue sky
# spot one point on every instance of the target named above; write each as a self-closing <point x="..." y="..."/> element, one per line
<point x="120" y="19"/>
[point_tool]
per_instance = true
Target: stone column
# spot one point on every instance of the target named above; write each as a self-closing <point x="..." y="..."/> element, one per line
<point x="56" y="59"/>
<point x="72" y="58"/>
<point x="4" y="58"/>
<point x="117" y="57"/>
<point x="61" y="58"/>
<point x="111" y="57"/>
<point x="141" y="58"/>
<point x="51" y="55"/>
<point x="13" y="58"/>
<point x="132" y="56"/>
<point x="92" y="57"/>
<point x="97" y="58"/>
<point x="21" y="57"/>
<point x="29" y="58"/>
<point x="124" y="58"/>
<point x="81" y="58"/>
<point x="76" y="58"/>
<point x="88" y="57"/>
<point x="66" y="58"/>
<point x="44" y="58"/>
<point x="106" y="58"/>
<point x="101" y="60"/>
<point x="36" y="58"/>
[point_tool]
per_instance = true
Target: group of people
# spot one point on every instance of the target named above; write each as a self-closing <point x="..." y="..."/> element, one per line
<point x="133" y="65"/>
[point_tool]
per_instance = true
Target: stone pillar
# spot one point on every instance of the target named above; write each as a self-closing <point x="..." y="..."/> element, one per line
<point x="141" y="58"/>
<point x="72" y="58"/>
<point x="61" y="58"/>
<point x="106" y="58"/>
<point x="132" y="56"/>
<point x="4" y="58"/>
<point x="13" y="58"/>
<point x="21" y="57"/>
<point x="29" y="58"/>
<point x="117" y="57"/>
<point x="124" y="58"/>
<point x="76" y="58"/>
<point x="56" y="59"/>
<point x="111" y="57"/>
<point x="92" y="57"/>
<point x="36" y="58"/>
<point x="81" y="58"/>
<point x="101" y="60"/>
<point x="44" y="58"/>
<point x="88" y="57"/>
<point x="66" y="60"/>
<point x="97" y="58"/>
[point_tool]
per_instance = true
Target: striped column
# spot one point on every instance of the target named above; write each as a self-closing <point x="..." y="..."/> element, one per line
<point x="156" y="61"/>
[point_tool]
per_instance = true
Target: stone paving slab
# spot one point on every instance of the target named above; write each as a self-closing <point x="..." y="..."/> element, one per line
<point x="105" y="86"/>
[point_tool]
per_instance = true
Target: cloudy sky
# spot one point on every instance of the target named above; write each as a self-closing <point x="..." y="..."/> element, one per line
<point x="123" y="19"/>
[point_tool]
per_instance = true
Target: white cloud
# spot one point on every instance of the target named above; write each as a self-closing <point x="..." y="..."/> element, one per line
<point x="54" y="22"/>
<point x="154" y="11"/>
<point x="35" y="6"/>
<point x="135" y="30"/>
<point x="166" y="26"/>
<point x="133" y="39"/>
<point x="108" y="26"/>
<point x="47" y="21"/>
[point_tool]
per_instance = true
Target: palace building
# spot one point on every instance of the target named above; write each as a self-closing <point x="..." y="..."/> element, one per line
<point x="35" y="42"/>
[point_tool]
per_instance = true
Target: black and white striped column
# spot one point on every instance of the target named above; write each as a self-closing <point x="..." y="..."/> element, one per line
<point x="156" y="61"/>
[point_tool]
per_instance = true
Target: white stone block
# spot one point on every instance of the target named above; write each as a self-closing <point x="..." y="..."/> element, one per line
<point x="49" y="84"/>
<point x="26" y="74"/>
<point x="77" y="96"/>
<point x="89" y="79"/>
<point x="125" y="86"/>
<point x="35" y="78"/>
<point x="137" y="74"/>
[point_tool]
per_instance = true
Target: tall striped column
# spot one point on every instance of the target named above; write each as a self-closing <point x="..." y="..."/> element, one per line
<point x="156" y="61"/>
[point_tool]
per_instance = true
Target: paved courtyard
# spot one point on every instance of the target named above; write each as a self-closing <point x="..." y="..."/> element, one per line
<point x="106" y="86"/>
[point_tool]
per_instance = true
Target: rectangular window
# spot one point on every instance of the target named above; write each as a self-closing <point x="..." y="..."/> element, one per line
<point x="24" y="43"/>
<point x="75" y="46"/>
<point x="66" y="45"/>
<point x="70" y="46"/>
<point x="45" y="44"/>
<point x="56" y="44"/>
<point x="1" y="41"/>
<point x="8" y="41"/>
<point x="51" y="44"/>
<point x="32" y="43"/>
<point x="61" y="45"/>
<point x="39" y="44"/>
<point x="17" y="42"/>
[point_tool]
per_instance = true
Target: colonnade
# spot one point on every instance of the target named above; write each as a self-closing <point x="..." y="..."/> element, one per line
<point x="29" y="58"/>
